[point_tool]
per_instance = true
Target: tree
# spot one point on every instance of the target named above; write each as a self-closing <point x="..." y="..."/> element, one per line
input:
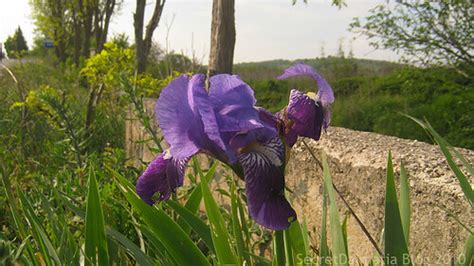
<point x="143" y="42"/>
<point x="74" y="25"/>
<point x="15" y="45"/>
<point x="425" y="32"/>
<point x="222" y="37"/>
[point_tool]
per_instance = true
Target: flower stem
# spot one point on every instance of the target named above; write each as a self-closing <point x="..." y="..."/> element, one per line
<point x="359" y="222"/>
<point x="279" y="248"/>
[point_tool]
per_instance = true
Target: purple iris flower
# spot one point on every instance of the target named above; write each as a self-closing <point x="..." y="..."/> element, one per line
<point x="305" y="115"/>
<point x="226" y="124"/>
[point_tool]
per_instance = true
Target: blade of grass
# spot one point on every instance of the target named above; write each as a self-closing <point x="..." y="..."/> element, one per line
<point x="444" y="146"/>
<point x="288" y="247"/>
<point x="236" y="227"/>
<point x="339" y="254"/>
<point x="396" y="250"/>
<point x="298" y="245"/>
<point x="344" y="232"/>
<point x="176" y="242"/>
<point x="196" y="196"/>
<point x="193" y="222"/>
<point x="405" y="206"/>
<point x="130" y="247"/>
<point x="220" y="235"/>
<point x="324" y="253"/>
<point x="16" y="213"/>
<point x="245" y="228"/>
<point x="39" y="235"/>
<point x="261" y="261"/>
<point x="356" y="217"/>
<point x="21" y="248"/>
<point x="279" y="248"/>
<point x="467" y="258"/>
<point x="96" y="249"/>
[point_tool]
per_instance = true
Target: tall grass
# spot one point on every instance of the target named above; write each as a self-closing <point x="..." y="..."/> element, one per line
<point x="174" y="233"/>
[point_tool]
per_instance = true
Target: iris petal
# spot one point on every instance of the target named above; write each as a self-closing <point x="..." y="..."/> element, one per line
<point x="325" y="92"/>
<point x="234" y="103"/>
<point x="162" y="175"/>
<point x="177" y="119"/>
<point x="202" y="104"/>
<point x="265" y="183"/>
<point x="306" y="115"/>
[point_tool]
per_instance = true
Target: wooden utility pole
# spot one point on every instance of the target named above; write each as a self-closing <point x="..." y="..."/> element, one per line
<point x="221" y="56"/>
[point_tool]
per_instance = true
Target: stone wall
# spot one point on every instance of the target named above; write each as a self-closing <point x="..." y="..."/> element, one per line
<point x="358" y="164"/>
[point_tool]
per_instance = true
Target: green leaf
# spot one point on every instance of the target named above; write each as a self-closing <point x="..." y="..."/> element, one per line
<point x="288" y="249"/>
<point x="193" y="222"/>
<point x="22" y="232"/>
<point x="324" y="253"/>
<point x="339" y="254"/>
<point x="467" y="258"/>
<point x="405" y="208"/>
<point x="445" y="147"/>
<point x="41" y="238"/>
<point x="344" y="231"/>
<point x="133" y="250"/>
<point x="220" y="235"/>
<point x="176" y="242"/>
<point x="130" y="247"/>
<point x="236" y="225"/>
<point x="195" y="198"/>
<point x="96" y="249"/>
<point x="396" y="250"/>
<point x="279" y="248"/>
<point x="298" y="244"/>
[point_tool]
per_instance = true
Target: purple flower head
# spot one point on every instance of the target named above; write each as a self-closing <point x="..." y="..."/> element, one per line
<point x="306" y="115"/>
<point x="193" y="120"/>
<point x="226" y="124"/>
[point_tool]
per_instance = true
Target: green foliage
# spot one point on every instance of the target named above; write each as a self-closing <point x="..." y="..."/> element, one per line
<point x="426" y="32"/>
<point x="96" y="248"/>
<point x="15" y="45"/>
<point x="106" y="66"/>
<point x="75" y="27"/>
<point x="340" y="255"/>
<point x="65" y="203"/>
<point x="441" y="95"/>
<point x="396" y="247"/>
<point x="370" y="95"/>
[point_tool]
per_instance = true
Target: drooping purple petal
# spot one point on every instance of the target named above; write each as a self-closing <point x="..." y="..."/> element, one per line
<point x="237" y="116"/>
<point x="163" y="175"/>
<point x="177" y="119"/>
<point x="306" y="117"/>
<point x="264" y="184"/>
<point x="325" y="92"/>
<point x="201" y="104"/>
<point x="234" y="103"/>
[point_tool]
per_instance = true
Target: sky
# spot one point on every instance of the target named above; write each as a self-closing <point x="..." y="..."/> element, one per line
<point x="266" y="29"/>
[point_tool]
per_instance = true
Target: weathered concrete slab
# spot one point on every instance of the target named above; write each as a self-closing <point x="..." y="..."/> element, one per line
<point x="358" y="164"/>
<point x="357" y="161"/>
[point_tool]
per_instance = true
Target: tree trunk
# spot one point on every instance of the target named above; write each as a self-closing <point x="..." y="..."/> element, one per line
<point x="108" y="10"/>
<point x="89" y="12"/>
<point x="77" y="32"/>
<point x="221" y="56"/>
<point x="143" y="43"/>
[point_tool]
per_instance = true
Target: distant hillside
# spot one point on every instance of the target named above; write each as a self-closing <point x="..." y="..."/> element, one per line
<point x="332" y="68"/>
<point x="370" y="95"/>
